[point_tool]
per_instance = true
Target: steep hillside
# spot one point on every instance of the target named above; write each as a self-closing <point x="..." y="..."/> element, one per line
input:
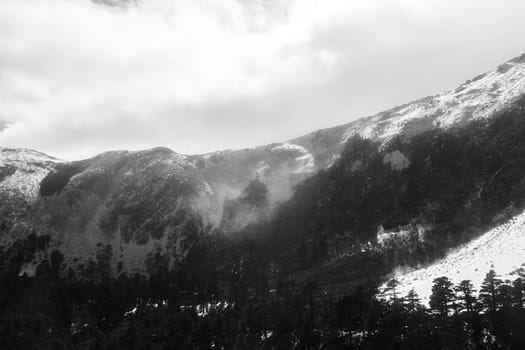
<point x="403" y="202"/>
<point x="501" y="249"/>
<point x="476" y="99"/>
<point x="397" y="188"/>
<point x="21" y="172"/>
<point x="119" y="210"/>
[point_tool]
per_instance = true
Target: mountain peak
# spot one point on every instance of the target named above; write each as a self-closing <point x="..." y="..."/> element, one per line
<point x="8" y="155"/>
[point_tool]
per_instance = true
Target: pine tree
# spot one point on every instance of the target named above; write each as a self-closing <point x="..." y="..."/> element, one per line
<point x="412" y="301"/>
<point x="488" y="294"/>
<point x="442" y="295"/>
<point x="518" y="293"/>
<point x="465" y="296"/>
<point x="391" y="290"/>
<point x="505" y="296"/>
<point x="504" y="302"/>
<point x="467" y="302"/>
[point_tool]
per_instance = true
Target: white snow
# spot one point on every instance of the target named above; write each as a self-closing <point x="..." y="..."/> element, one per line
<point x="304" y="163"/>
<point x="261" y="169"/>
<point x="332" y="160"/>
<point x="397" y="160"/>
<point x="501" y="249"/>
<point x="204" y="309"/>
<point x="475" y="99"/>
<point x="207" y="189"/>
<point x="384" y="236"/>
<point x="289" y="147"/>
<point x="356" y="165"/>
<point x="31" y="167"/>
<point x="23" y="156"/>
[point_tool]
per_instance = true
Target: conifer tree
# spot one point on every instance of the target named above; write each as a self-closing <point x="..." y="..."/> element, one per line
<point x="465" y="294"/>
<point x="518" y="293"/>
<point x="412" y="301"/>
<point x="442" y="295"/>
<point x="391" y="290"/>
<point x="488" y="294"/>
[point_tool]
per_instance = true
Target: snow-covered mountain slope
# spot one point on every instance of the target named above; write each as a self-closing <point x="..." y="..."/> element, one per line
<point x="22" y="170"/>
<point x="478" y="98"/>
<point x="501" y="249"/>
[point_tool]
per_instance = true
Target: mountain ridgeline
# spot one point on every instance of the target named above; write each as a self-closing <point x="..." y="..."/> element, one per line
<point x="339" y="205"/>
<point x="403" y="203"/>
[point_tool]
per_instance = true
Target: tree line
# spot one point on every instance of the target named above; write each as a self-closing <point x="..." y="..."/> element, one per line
<point x="138" y="314"/>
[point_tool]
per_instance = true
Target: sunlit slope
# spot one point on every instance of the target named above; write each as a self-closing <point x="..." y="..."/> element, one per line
<point x="501" y="249"/>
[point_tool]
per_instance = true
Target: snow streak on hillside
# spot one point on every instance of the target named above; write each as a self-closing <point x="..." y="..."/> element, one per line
<point x="501" y="249"/>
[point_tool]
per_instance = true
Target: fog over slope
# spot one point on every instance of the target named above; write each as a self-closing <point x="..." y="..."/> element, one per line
<point x="122" y="209"/>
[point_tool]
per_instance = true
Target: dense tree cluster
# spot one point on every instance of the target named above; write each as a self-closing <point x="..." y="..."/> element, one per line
<point x="135" y="313"/>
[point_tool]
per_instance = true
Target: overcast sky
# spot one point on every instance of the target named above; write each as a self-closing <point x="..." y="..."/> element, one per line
<point x="79" y="78"/>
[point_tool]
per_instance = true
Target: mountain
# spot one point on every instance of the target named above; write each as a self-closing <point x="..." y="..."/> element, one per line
<point x="21" y="172"/>
<point x="138" y="203"/>
<point x="396" y="188"/>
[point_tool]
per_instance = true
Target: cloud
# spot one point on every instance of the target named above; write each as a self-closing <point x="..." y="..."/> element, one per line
<point x="77" y="78"/>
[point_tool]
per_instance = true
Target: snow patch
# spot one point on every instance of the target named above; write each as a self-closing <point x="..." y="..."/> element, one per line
<point x="356" y="165"/>
<point x="304" y="163"/>
<point x="501" y="249"/>
<point x="289" y="147"/>
<point x="384" y="236"/>
<point x="333" y="160"/>
<point x="261" y="169"/>
<point x="397" y="160"/>
<point x="22" y="156"/>
<point x="207" y="189"/>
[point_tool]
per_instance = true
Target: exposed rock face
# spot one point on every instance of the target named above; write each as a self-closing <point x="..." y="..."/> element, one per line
<point x="122" y="210"/>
